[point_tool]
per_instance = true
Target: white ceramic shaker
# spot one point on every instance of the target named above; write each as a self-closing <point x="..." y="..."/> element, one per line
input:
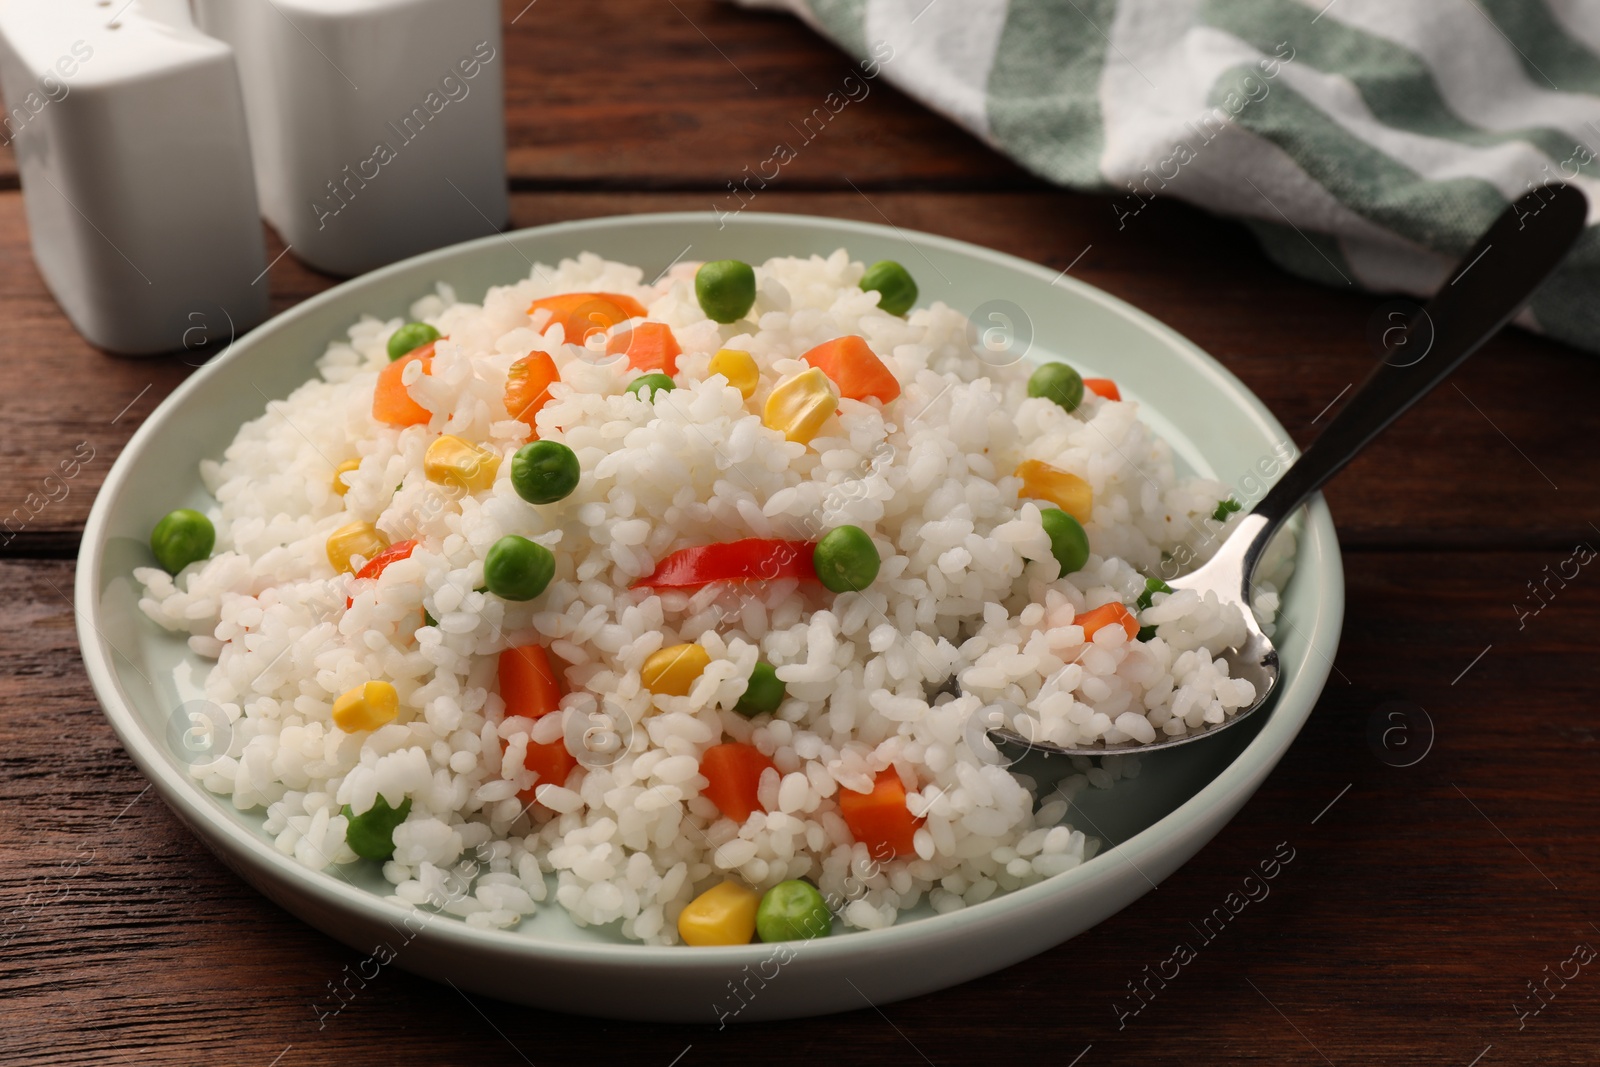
<point x="378" y="126"/>
<point x="128" y="129"/>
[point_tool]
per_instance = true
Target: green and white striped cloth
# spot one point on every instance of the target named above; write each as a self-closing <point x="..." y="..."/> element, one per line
<point x="1365" y="142"/>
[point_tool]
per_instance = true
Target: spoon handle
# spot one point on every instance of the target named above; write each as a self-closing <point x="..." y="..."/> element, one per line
<point x="1489" y="286"/>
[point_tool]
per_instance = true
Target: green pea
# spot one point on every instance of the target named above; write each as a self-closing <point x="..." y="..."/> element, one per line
<point x="370" y="835"/>
<point x="517" y="568"/>
<point x="646" y="385"/>
<point x="793" y="911"/>
<point x="1146" y="633"/>
<point x="409" y="338"/>
<point x="764" y="693"/>
<point x="894" y="285"/>
<point x="846" y="560"/>
<point x="726" y="289"/>
<point x="543" y="472"/>
<point x="1226" y="508"/>
<point x="1058" y="382"/>
<point x="181" y="538"/>
<point x="1152" y="586"/>
<point x="1069" y="544"/>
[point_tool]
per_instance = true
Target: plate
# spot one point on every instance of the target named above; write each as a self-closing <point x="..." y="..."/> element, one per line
<point x="1150" y="825"/>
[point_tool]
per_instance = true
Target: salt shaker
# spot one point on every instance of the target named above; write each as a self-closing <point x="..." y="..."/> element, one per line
<point x="128" y="128"/>
<point x="378" y="126"/>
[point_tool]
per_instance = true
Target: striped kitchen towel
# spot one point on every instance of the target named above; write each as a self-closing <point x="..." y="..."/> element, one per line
<point x="1365" y="142"/>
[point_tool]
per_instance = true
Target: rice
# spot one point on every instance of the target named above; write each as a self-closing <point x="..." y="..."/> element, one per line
<point x="967" y="587"/>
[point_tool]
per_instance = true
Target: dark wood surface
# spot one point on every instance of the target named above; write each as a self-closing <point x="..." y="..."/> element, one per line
<point x="1418" y="907"/>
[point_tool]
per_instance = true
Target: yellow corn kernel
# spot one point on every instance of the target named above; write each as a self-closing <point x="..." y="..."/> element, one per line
<point x="366" y="707"/>
<point x="1062" y="488"/>
<point x="340" y="471"/>
<point x="357" y="539"/>
<point x="739" y="367"/>
<point x="673" y="670"/>
<point x="452" y="461"/>
<point x="799" y="406"/>
<point x="723" y="915"/>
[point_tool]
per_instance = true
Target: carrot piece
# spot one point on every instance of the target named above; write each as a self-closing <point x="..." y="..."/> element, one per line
<point x="1103" y="387"/>
<point x="581" y="314"/>
<point x="391" y="400"/>
<point x="880" y="819"/>
<point x="650" y="347"/>
<point x="530" y="688"/>
<point x="854" y="368"/>
<point x="551" y="762"/>
<point x="733" y="771"/>
<point x="528" y="684"/>
<point x="1106" y="615"/>
<point x="528" y="383"/>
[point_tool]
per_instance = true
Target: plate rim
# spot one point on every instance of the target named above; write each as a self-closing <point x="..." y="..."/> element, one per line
<point x="187" y="798"/>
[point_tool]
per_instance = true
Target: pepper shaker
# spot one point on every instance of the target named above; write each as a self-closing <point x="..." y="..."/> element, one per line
<point x="128" y="128"/>
<point x="378" y="126"/>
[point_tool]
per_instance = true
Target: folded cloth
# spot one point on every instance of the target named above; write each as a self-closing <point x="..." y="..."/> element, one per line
<point x="1365" y="142"/>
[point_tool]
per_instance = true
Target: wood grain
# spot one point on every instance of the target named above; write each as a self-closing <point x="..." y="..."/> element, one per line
<point x="1421" y="899"/>
<point x="1402" y="931"/>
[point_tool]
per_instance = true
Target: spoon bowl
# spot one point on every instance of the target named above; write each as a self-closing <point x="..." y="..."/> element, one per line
<point x="1255" y="660"/>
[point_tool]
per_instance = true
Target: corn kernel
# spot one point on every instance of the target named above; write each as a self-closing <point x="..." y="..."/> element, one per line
<point x="340" y="471"/>
<point x="723" y="915"/>
<point x="799" y="406"/>
<point x="672" y="671"/>
<point x="357" y="539"/>
<point x="739" y="367"/>
<point x="1062" y="488"/>
<point x="452" y="461"/>
<point x="366" y="707"/>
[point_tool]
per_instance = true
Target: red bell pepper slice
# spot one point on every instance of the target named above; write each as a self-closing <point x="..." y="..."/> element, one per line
<point x="750" y="559"/>
<point x="374" y="566"/>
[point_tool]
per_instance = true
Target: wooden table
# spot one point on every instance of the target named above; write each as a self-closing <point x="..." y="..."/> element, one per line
<point x="1422" y="900"/>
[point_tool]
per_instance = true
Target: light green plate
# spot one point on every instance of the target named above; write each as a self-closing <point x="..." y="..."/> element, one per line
<point x="1151" y="825"/>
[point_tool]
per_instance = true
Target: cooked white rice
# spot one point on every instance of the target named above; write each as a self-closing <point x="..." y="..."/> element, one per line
<point x="633" y="841"/>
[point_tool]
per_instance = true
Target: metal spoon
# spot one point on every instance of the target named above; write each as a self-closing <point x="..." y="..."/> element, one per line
<point x="1486" y="289"/>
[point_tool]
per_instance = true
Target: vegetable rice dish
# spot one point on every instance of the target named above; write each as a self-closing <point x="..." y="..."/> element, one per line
<point x="684" y="605"/>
